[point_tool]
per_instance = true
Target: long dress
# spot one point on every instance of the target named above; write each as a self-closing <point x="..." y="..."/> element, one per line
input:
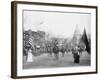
<point x="29" y="57"/>
<point x="76" y="57"/>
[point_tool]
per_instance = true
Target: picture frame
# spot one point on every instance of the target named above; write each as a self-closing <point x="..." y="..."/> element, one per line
<point x="37" y="26"/>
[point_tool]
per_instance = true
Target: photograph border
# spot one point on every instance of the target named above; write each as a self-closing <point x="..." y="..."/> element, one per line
<point x="14" y="37"/>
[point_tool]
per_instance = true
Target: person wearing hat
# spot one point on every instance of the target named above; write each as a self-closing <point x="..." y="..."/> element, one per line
<point x="76" y="55"/>
<point x="56" y="50"/>
<point x="30" y="56"/>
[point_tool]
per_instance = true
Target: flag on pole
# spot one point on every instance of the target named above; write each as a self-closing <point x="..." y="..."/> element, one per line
<point x="84" y="38"/>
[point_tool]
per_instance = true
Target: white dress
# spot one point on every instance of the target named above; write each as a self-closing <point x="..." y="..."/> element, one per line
<point x="29" y="57"/>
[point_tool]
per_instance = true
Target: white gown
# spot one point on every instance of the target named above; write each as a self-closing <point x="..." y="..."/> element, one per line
<point x="30" y="57"/>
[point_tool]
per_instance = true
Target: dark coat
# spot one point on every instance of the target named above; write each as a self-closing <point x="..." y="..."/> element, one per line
<point x="56" y="49"/>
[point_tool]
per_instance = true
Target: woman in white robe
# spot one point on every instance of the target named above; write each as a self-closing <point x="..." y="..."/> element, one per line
<point x="29" y="56"/>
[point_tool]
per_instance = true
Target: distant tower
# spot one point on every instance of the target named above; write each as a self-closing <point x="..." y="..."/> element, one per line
<point x="76" y="36"/>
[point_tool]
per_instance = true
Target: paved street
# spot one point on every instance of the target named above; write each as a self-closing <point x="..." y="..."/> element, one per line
<point x="47" y="61"/>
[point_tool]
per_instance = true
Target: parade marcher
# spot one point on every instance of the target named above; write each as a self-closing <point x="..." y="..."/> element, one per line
<point x="29" y="56"/>
<point x="56" y="50"/>
<point x="63" y="51"/>
<point x="76" y="55"/>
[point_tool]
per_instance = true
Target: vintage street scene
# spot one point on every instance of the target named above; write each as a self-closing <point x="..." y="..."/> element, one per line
<point x="56" y="39"/>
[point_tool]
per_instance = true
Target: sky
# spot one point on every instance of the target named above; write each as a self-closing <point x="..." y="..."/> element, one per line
<point x="57" y="23"/>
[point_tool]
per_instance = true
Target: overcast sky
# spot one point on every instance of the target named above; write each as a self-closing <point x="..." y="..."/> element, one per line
<point x="56" y="23"/>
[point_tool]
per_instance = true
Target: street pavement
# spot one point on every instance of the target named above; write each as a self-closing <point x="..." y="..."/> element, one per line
<point x="48" y="61"/>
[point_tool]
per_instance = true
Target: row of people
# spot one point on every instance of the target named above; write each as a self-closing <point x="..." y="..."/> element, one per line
<point x="76" y="51"/>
